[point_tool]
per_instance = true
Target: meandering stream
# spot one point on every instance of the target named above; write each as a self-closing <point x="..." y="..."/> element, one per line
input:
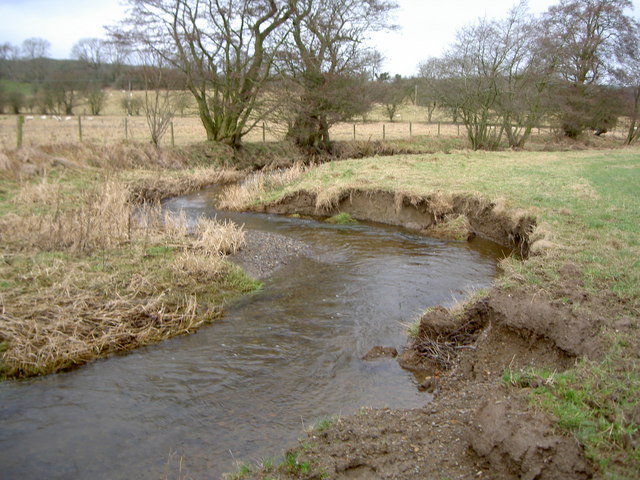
<point x="245" y="387"/>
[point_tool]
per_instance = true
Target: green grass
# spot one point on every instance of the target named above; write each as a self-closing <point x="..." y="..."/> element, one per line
<point x="342" y="218"/>
<point x="324" y="423"/>
<point x="598" y="403"/>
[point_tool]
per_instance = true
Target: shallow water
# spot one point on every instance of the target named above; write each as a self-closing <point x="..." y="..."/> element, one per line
<point x="245" y="387"/>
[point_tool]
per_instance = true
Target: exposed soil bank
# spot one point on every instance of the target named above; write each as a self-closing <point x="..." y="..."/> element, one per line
<point x="474" y="427"/>
<point x="486" y="219"/>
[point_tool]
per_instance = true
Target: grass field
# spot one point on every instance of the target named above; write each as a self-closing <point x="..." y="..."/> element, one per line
<point x="112" y="126"/>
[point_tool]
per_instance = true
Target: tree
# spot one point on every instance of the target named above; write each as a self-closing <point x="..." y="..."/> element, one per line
<point x="34" y="48"/>
<point x="225" y="49"/>
<point x="584" y="39"/>
<point x="159" y="107"/>
<point x="35" y="51"/>
<point x="523" y="79"/>
<point x="391" y="94"/>
<point x="472" y="72"/>
<point x="493" y="77"/>
<point x="96" y="97"/>
<point x="327" y="66"/>
<point x="628" y="76"/>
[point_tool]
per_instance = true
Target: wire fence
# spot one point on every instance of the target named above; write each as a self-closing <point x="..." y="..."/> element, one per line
<point x="31" y="130"/>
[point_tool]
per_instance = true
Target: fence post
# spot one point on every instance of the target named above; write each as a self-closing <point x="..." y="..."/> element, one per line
<point x="126" y="128"/>
<point x="173" y="138"/>
<point x="264" y="135"/>
<point x="411" y="128"/>
<point x="354" y="132"/>
<point x="438" y="128"/>
<point x="20" y="123"/>
<point x="384" y="132"/>
<point x="458" y="125"/>
<point x="80" y="128"/>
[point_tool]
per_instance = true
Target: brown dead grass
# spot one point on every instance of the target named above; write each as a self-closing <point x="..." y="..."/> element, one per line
<point x="85" y="272"/>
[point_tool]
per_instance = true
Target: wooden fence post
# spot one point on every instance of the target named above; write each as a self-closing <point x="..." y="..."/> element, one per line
<point x="80" y="128"/>
<point x="173" y="138"/>
<point x="411" y="129"/>
<point x="354" y="132"/>
<point x="20" y="123"/>
<point x="264" y="133"/>
<point x="384" y="132"/>
<point x="438" y="128"/>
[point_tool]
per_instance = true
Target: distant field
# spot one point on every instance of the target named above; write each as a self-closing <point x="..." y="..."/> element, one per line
<point x="49" y="129"/>
<point x="108" y="128"/>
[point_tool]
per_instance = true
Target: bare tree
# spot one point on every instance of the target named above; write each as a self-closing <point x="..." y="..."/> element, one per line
<point x="628" y="75"/>
<point x="159" y="107"/>
<point x="33" y="48"/>
<point x="584" y="39"/>
<point x="225" y="48"/>
<point x="391" y="93"/>
<point x="494" y="78"/>
<point x="327" y="64"/>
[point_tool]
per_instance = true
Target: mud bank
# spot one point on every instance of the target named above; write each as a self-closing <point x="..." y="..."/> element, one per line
<point x="486" y="219"/>
<point x="473" y="426"/>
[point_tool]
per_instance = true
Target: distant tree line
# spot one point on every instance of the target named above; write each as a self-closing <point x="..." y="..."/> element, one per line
<point x="304" y="64"/>
<point x="34" y="83"/>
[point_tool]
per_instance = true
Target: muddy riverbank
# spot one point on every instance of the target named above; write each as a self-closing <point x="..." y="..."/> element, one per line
<point x="475" y="426"/>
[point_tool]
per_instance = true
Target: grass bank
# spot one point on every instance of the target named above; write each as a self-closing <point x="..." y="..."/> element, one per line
<point x="90" y="265"/>
<point x="585" y="258"/>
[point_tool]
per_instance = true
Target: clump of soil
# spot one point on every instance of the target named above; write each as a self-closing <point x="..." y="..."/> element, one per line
<point x="452" y="227"/>
<point x="380" y="352"/>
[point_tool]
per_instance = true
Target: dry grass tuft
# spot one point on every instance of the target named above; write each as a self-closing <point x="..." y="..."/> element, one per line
<point x="328" y="198"/>
<point x="215" y="238"/>
<point x="75" y="326"/>
<point x="202" y="268"/>
<point x="452" y="227"/>
<point x="242" y="195"/>
<point x="149" y="187"/>
<point x="101" y="220"/>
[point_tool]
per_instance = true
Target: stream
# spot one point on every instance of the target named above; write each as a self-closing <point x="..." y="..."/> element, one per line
<point x="246" y="387"/>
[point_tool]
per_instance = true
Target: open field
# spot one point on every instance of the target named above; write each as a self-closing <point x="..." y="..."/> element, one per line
<point x="576" y="298"/>
<point x="106" y="130"/>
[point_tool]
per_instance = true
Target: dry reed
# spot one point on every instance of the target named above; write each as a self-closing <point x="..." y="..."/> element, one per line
<point x="214" y="237"/>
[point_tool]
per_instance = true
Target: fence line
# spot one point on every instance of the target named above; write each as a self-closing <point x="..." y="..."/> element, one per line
<point x="38" y="130"/>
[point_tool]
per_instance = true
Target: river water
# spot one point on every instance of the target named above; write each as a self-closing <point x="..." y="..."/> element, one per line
<point x="245" y="387"/>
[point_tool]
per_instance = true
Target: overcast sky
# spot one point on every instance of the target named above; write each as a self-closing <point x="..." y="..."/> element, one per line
<point x="427" y="26"/>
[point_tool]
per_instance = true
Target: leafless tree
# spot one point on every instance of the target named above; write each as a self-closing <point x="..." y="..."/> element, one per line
<point x="584" y="40"/>
<point x="327" y="65"/>
<point x="33" y="48"/>
<point x="158" y="106"/>
<point x="225" y="49"/>
<point x="628" y="76"/>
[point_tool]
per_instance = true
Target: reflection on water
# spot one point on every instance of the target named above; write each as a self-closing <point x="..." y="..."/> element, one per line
<point x="245" y="387"/>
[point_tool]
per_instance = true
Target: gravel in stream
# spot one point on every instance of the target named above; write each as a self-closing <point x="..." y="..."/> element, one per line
<point x="265" y="252"/>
